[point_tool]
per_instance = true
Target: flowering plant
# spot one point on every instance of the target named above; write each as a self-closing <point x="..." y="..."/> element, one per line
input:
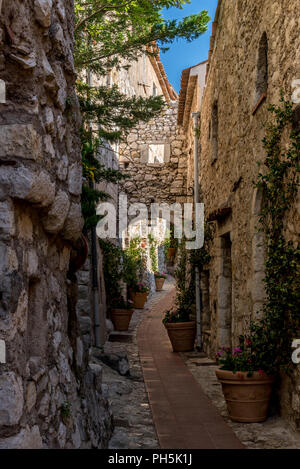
<point x="160" y="275"/>
<point x="120" y="303"/>
<point x="251" y="356"/>
<point x="177" y="315"/>
<point x="140" y="288"/>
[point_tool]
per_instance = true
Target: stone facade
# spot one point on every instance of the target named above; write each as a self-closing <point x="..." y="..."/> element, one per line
<point x="254" y="54"/>
<point x="50" y="396"/>
<point x="155" y="180"/>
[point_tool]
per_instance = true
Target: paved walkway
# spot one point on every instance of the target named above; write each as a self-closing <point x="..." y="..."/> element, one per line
<point x="183" y="416"/>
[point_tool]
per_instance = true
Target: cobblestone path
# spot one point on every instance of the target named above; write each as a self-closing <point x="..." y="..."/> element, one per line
<point x="134" y="427"/>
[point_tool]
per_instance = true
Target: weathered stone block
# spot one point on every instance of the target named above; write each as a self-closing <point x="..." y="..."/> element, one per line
<point x="55" y="219"/>
<point x="74" y="223"/>
<point x="32" y="264"/>
<point x="42" y="9"/>
<point x="7" y="221"/>
<point x="2" y="92"/>
<point x="75" y="179"/>
<point x="30" y="396"/>
<point x="19" y="140"/>
<point x="11" y="399"/>
<point x="27" y="438"/>
<point x="27" y="62"/>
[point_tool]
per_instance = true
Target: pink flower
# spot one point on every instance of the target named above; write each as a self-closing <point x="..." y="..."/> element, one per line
<point x="261" y="372"/>
<point x="237" y="350"/>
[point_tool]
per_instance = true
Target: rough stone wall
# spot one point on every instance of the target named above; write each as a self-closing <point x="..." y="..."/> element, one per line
<point x="158" y="183"/>
<point x="228" y="181"/>
<point x="49" y="395"/>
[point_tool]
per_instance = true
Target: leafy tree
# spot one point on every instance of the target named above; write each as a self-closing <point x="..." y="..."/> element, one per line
<point x="111" y="34"/>
<point x="107" y="32"/>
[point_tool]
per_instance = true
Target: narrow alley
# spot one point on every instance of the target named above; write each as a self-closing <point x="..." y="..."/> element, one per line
<point x="169" y="400"/>
<point x="150" y="226"/>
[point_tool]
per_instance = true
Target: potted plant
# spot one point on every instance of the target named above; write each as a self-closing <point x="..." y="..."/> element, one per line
<point x="181" y="329"/>
<point x="247" y="375"/>
<point x="159" y="280"/>
<point x="121" y="313"/>
<point x="139" y="293"/>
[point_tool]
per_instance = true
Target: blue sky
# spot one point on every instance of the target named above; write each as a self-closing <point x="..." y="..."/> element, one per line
<point x="183" y="54"/>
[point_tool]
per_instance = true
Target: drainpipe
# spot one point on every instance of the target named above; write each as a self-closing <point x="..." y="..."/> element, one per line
<point x="95" y="284"/>
<point x="196" y="116"/>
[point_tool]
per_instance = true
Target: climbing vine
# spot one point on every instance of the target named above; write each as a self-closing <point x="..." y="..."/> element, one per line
<point x="185" y="272"/>
<point x="272" y="336"/>
<point x="121" y="266"/>
<point x="153" y="252"/>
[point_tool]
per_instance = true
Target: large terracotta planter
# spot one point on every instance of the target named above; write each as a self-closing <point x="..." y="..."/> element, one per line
<point x="247" y="398"/>
<point x="182" y="335"/>
<point x="159" y="283"/>
<point x="139" y="300"/>
<point x="121" y="318"/>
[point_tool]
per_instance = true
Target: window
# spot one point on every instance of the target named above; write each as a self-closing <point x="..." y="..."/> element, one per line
<point x="154" y="93"/>
<point x="262" y="69"/>
<point x="157" y="153"/>
<point x="214" y="132"/>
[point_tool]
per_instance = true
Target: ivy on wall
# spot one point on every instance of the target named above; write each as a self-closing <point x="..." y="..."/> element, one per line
<point x="272" y="336"/>
<point x="153" y="252"/>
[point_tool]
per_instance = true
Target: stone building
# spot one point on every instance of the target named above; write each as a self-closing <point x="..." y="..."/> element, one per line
<point x="50" y="396"/>
<point x="150" y="180"/>
<point x="254" y="53"/>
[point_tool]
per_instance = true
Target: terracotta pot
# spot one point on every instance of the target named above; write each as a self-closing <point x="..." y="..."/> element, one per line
<point x="121" y="318"/>
<point x="139" y="300"/>
<point x="159" y="283"/>
<point x="247" y="398"/>
<point x="182" y="335"/>
<point x="171" y="253"/>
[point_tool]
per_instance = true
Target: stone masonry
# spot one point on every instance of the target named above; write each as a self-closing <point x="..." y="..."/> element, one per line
<point x="50" y="397"/>
<point x="254" y="54"/>
<point x="157" y="182"/>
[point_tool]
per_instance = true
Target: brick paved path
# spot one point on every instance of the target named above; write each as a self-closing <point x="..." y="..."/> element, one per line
<point x="183" y="416"/>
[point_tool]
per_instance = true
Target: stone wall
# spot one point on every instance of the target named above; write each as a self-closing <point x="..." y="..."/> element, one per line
<point x="232" y="128"/>
<point x="49" y="395"/>
<point x="155" y="182"/>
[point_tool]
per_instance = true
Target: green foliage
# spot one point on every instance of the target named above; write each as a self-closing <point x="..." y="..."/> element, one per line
<point x="140" y="288"/>
<point x="274" y="334"/>
<point x="120" y="303"/>
<point x="65" y="409"/>
<point x="170" y="241"/>
<point x="119" y="32"/>
<point x="115" y="113"/>
<point x="243" y="358"/>
<point x="271" y="337"/>
<point x="185" y="272"/>
<point x="112" y="269"/>
<point x="94" y="172"/>
<point x="121" y="266"/>
<point x="160" y="275"/>
<point x="153" y="252"/>
<point x="111" y="34"/>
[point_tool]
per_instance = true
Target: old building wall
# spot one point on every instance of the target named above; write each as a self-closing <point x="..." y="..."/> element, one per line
<point x="155" y="180"/>
<point x="49" y="395"/>
<point x="233" y="114"/>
